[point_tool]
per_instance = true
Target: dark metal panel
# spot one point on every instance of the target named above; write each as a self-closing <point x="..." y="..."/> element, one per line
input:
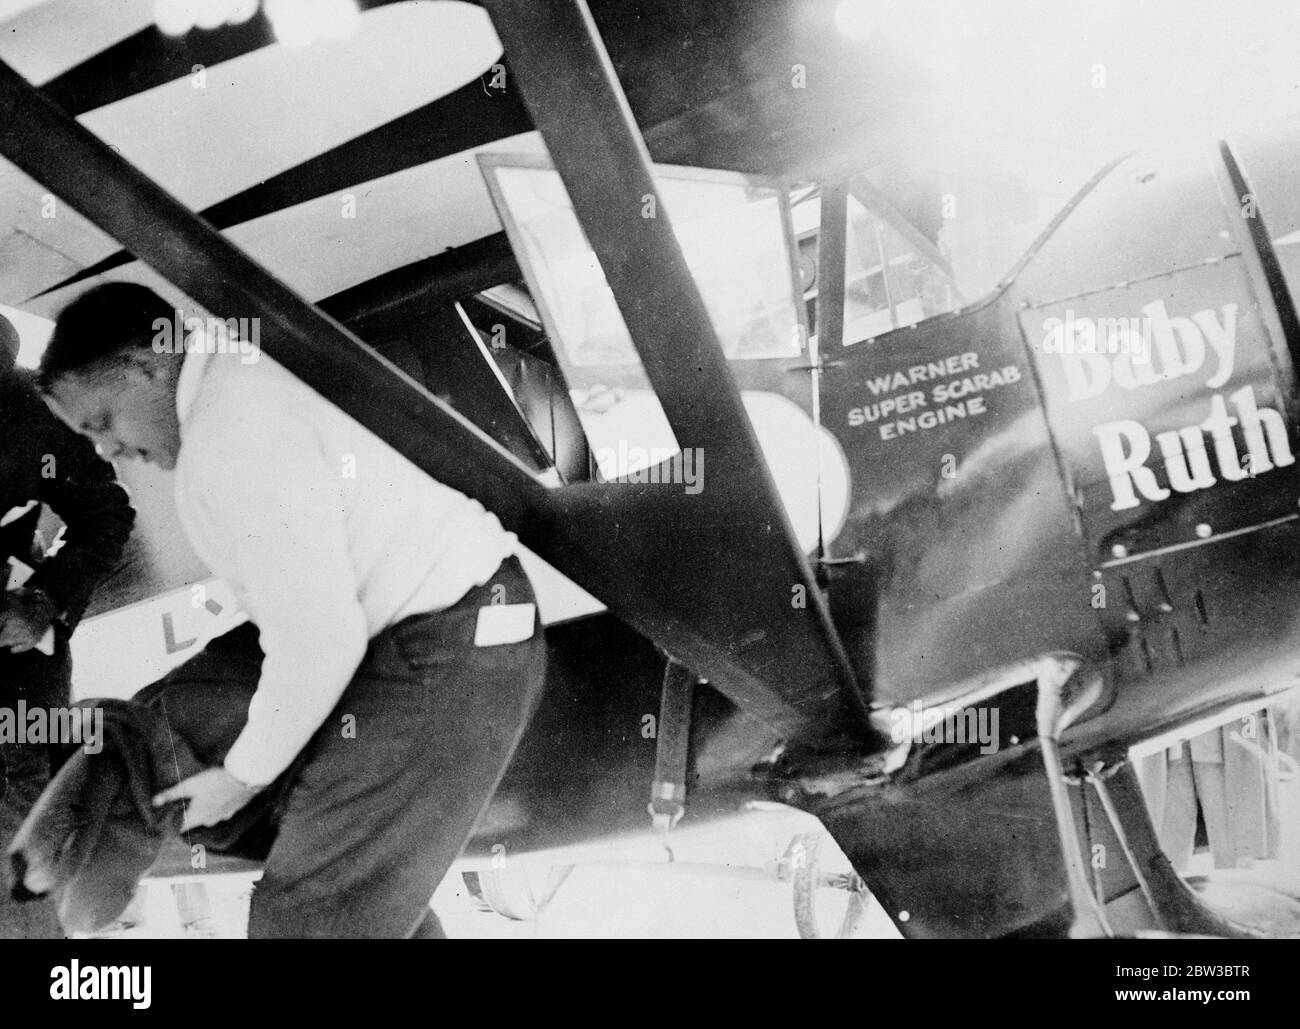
<point x="1214" y="626"/>
<point x="1119" y="404"/>
<point x="998" y="827"/>
<point x="972" y="561"/>
<point x="727" y="554"/>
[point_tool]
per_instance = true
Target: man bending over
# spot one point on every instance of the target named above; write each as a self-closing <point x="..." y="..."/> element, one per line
<point x="400" y="656"/>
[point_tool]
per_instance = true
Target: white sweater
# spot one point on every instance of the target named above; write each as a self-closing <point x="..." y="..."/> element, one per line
<point x="326" y="534"/>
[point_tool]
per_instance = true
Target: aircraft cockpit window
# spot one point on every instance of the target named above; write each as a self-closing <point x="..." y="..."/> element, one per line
<point x="890" y="282"/>
<point x="735" y="235"/>
<point x="893" y="275"/>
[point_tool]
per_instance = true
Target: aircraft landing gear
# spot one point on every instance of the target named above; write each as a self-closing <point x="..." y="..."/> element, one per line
<point x="510" y="893"/>
<point x="1062" y="697"/>
<point x="816" y="890"/>
<point x="1173" y="905"/>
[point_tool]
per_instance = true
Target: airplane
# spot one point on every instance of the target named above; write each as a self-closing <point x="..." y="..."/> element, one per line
<point x="815" y="527"/>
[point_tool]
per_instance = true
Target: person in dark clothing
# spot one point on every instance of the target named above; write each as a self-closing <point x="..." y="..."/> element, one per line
<point x="43" y="463"/>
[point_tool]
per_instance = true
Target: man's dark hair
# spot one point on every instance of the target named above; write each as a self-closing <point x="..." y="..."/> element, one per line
<point x="103" y="321"/>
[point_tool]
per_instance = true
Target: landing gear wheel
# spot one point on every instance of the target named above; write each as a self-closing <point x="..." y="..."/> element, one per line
<point x="817" y="894"/>
<point x="509" y="892"/>
<point x="475" y="891"/>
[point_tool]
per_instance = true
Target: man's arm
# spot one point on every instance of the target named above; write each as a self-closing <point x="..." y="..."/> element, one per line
<point x="272" y="495"/>
<point x="82" y="489"/>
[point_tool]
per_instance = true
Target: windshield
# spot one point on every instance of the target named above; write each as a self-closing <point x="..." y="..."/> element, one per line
<point x="896" y="274"/>
<point x="735" y="236"/>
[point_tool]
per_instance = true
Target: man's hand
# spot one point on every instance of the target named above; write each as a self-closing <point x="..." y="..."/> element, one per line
<point x="25" y="617"/>
<point x="213" y="794"/>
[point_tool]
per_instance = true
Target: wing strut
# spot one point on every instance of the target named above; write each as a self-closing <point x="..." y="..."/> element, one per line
<point x="766" y="595"/>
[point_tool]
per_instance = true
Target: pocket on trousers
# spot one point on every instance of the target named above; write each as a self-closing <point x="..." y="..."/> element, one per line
<point x="446" y="640"/>
<point x="424" y="644"/>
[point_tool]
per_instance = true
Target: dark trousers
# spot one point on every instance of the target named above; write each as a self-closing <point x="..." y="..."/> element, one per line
<point x="25" y="769"/>
<point x="382" y="800"/>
